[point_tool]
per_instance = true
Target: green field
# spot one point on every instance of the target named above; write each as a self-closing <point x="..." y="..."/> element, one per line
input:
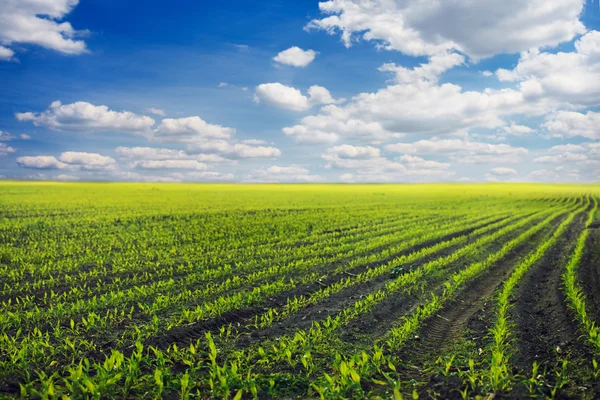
<point x="299" y="291"/>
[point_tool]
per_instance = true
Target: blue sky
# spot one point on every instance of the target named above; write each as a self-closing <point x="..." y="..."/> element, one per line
<point x="279" y="91"/>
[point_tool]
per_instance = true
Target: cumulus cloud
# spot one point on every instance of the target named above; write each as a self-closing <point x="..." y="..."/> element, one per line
<point x="86" y="117"/>
<point x="170" y="164"/>
<point x="369" y="166"/>
<point x="152" y="153"/>
<point x="254" y="141"/>
<point x="571" y="123"/>
<point x="137" y="177"/>
<point x="66" y="178"/>
<point x="418" y="107"/>
<point x="308" y="135"/>
<point x="6" y="54"/>
<point x="189" y="130"/>
<point x="38" y="22"/>
<point x="416" y="164"/>
<point x="70" y="160"/>
<point x="429" y="71"/>
<point x="420" y="28"/>
<point x="42" y="162"/>
<point x="544" y="175"/>
<point x="561" y="158"/>
<point x="500" y="174"/>
<point x="24" y="136"/>
<point x="88" y="161"/>
<point x="335" y="123"/>
<point x="517" y="130"/>
<point x="209" y="176"/>
<point x="291" y="98"/>
<point x="354" y="152"/>
<point x="5" y="149"/>
<point x="5" y="136"/>
<point x="573" y="148"/>
<point x="157" y="111"/>
<point x="572" y="77"/>
<point x="296" y="57"/>
<point x="574" y="162"/>
<point x="462" y="151"/>
<point x="234" y="150"/>
<point x="275" y="173"/>
<point x="503" y="171"/>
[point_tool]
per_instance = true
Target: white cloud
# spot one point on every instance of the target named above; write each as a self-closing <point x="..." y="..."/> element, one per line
<point x="88" y="161"/>
<point x="305" y="134"/>
<point x="209" y="176"/>
<point x="419" y="107"/>
<point x="291" y="98"/>
<point x="296" y="57"/>
<point x="500" y="174"/>
<point x="572" y="77"/>
<point x="86" y="117"/>
<point x="6" y="54"/>
<point x="503" y="171"/>
<point x="429" y="71"/>
<point x="570" y="123"/>
<point x="416" y="164"/>
<point x="335" y="123"/>
<point x="571" y="148"/>
<point x="234" y="150"/>
<point x="66" y="178"/>
<point x="348" y="178"/>
<point x="157" y="111"/>
<point x="5" y="136"/>
<point x="136" y="177"/>
<point x="487" y="74"/>
<point x="152" y="153"/>
<point x="170" y="164"/>
<point x="462" y="151"/>
<point x="43" y="162"/>
<point x="39" y="22"/>
<point x="254" y="141"/>
<point x="275" y="173"/>
<point x="543" y="175"/>
<point x="190" y="130"/>
<point x="354" y="152"/>
<point x="371" y="167"/>
<point x="517" y="130"/>
<point x="561" y="158"/>
<point x="5" y="149"/>
<point x="482" y="29"/>
<point x="24" y="136"/>
<point x="223" y="84"/>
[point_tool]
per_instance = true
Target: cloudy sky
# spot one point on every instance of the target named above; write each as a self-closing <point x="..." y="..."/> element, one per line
<point x="283" y="91"/>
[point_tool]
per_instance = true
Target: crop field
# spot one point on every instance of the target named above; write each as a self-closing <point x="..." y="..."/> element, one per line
<point x="144" y="291"/>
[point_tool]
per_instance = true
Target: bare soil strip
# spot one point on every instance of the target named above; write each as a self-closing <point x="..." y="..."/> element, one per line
<point x="465" y="311"/>
<point x="544" y="327"/>
<point x="589" y="271"/>
<point x="188" y="334"/>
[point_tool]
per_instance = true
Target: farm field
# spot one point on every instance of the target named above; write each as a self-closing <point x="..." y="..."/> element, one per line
<point x="204" y="291"/>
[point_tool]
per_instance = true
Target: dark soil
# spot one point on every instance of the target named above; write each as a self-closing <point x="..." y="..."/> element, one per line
<point x="589" y="271"/>
<point x="187" y="334"/>
<point x="544" y="327"/>
<point x="468" y="312"/>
